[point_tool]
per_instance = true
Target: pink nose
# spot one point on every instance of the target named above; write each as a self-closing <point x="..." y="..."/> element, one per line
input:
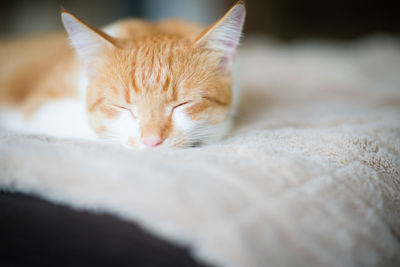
<point x="152" y="141"/>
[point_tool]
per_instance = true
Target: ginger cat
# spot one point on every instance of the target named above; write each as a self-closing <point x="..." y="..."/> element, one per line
<point x="135" y="83"/>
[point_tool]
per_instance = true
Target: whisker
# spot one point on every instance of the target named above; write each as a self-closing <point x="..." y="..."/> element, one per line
<point x="199" y="134"/>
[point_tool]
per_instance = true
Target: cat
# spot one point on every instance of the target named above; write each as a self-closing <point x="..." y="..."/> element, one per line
<point x="135" y="83"/>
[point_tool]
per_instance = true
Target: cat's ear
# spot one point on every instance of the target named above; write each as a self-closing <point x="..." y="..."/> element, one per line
<point x="224" y="35"/>
<point x="88" y="42"/>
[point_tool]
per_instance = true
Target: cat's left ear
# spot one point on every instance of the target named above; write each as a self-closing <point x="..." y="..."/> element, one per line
<point x="224" y="35"/>
<point x="88" y="42"/>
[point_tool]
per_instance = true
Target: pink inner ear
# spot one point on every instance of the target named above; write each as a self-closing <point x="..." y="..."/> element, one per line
<point x="229" y="44"/>
<point x="235" y="18"/>
<point x="236" y="21"/>
<point x="234" y="28"/>
<point x="224" y="36"/>
<point x="70" y="25"/>
<point x="87" y="43"/>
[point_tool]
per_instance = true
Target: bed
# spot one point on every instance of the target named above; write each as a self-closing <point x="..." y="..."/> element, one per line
<point x="310" y="175"/>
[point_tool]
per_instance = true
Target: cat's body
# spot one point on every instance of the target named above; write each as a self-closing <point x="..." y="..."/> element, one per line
<point x="42" y="88"/>
<point x="135" y="83"/>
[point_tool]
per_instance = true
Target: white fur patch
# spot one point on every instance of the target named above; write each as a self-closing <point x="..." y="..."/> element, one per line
<point x="198" y="131"/>
<point x="183" y="121"/>
<point x="61" y="119"/>
<point x="122" y="128"/>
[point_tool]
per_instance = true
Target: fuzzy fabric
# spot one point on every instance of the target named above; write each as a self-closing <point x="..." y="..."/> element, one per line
<point x="309" y="177"/>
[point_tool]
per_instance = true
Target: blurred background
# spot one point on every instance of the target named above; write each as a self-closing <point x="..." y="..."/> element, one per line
<point x="285" y="20"/>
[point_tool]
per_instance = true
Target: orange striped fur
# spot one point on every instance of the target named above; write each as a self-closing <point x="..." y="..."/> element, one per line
<point x="167" y="83"/>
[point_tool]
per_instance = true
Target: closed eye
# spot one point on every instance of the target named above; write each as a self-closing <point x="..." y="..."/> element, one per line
<point x="216" y="101"/>
<point x="128" y="109"/>
<point x="181" y="104"/>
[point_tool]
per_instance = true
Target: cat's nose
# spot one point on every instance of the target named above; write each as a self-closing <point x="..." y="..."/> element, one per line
<point x="152" y="141"/>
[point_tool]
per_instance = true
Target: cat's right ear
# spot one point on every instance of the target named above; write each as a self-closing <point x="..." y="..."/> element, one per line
<point x="88" y="42"/>
<point x="223" y="37"/>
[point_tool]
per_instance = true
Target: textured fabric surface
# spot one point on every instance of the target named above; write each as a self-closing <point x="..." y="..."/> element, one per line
<point x="309" y="177"/>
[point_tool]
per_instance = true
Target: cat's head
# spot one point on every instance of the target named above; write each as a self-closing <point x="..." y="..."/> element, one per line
<point x="157" y="88"/>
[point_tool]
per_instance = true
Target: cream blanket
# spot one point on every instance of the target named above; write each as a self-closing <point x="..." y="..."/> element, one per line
<point x="309" y="177"/>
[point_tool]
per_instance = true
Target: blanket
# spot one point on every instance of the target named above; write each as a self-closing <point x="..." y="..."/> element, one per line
<point x="310" y="175"/>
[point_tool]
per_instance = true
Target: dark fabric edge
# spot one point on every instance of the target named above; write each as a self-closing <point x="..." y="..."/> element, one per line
<point x="36" y="232"/>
